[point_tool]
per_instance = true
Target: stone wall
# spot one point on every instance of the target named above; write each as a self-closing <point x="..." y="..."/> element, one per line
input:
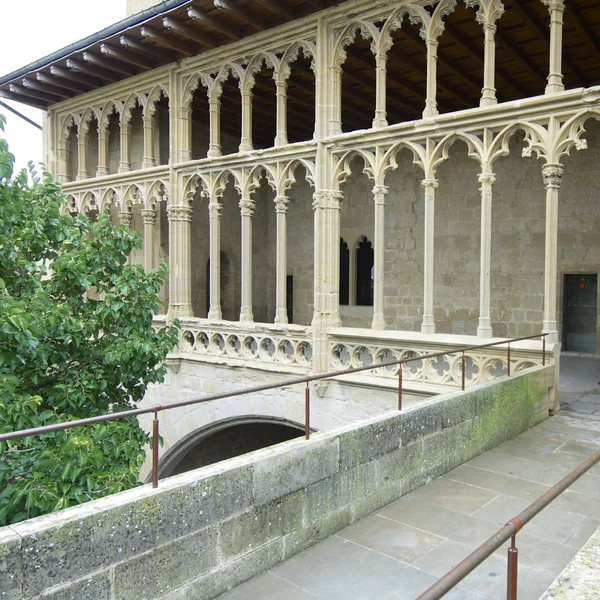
<point x="203" y="532"/>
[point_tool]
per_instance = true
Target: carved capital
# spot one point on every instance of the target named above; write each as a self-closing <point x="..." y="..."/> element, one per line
<point x="281" y="204"/>
<point x="126" y="218"/>
<point x="149" y="216"/>
<point x="555" y="5"/>
<point x="247" y="207"/>
<point x="487" y="179"/>
<point x="432" y="184"/>
<point x="379" y="194"/>
<point x="552" y="175"/>
<point x="180" y="213"/>
<point x="214" y="210"/>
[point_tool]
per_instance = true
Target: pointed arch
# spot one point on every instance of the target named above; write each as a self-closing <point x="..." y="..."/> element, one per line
<point x="417" y="15"/>
<point x="343" y="168"/>
<point x="291" y="55"/>
<point x="109" y="197"/>
<point x="366" y="29"/>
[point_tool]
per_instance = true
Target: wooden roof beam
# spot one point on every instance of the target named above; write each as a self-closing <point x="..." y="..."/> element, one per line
<point x="584" y="29"/>
<point x="508" y="46"/>
<point x="279" y="8"/>
<point x="23" y="91"/>
<point x="109" y="65"/>
<point x="544" y="36"/>
<point x="215" y="24"/>
<point x="51" y="89"/>
<point x="125" y="57"/>
<point x="189" y="32"/>
<point x="240" y="14"/>
<point x="167" y="42"/>
<point x="63" y="83"/>
<point x="104" y="76"/>
<point x="17" y="98"/>
<point x="147" y="49"/>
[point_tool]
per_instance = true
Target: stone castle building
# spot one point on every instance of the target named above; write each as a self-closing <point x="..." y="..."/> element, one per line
<point x="337" y="183"/>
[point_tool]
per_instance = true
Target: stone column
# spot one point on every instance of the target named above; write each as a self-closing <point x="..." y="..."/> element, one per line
<point x="148" y="159"/>
<point x="327" y="206"/>
<point x="335" y="125"/>
<point x="214" y="147"/>
<point x="555" y="76"/>
<point x="281" y="207"/>
<point x="552" y="174"/>
<point x="484" y="329"/>
<point x="428" y="325"/>
<point x="281" y="138"/>
<point x="124" y="163"/>
<point x="180" y="259"/>
<point x="247" y="210"/>
<point x="82" y="143"/>
<point x="63" y="170"/>
<point x="149" y="216"/>
<point x="214" y="211"/>
<point x="102" y="151"/>
<point x="431" y="109"/>
<point x="379" y="194"/>
<point x="380" y="119"/>
<point x="185" y="120"/>
<point x="246" y="141"/>
<point x="488" y="96"/>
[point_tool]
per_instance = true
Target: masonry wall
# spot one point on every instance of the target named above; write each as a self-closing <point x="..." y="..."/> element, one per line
<point x="203" y="532"/>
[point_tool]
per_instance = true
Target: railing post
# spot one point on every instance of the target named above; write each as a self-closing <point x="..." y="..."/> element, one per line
<point x="513" y="566"/>
<point x="307" y="411"/>
<point x="463" y="370"/>
<point x="155" y="438"/>
<point x="544" y="351"/>
<point x="508" y="360"/>
<point x="400" y="387"/>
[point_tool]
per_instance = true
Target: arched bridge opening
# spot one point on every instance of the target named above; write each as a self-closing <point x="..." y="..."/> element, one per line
<point x="226" y="439"/>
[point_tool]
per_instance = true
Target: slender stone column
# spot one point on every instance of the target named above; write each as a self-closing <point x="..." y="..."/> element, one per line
<point x="428" y="325"/>
<point x="102" y="152"/>
<point x="335" y="125"/>
<point x="82" y="143"/>
<point x="488" y="96"/>
<point x="431" y="109"/>
<point x="379" y="194"/>
<point x="552" y="174"/>
<point x="180" y="258"/>
<point x="185" y="120"/>
<point x="63" y="170"/>
<point x="149" y="216"/>
<point x="246" y="141"/>
<point x="281" y="138"/>
<point x="281" y="207"/>
<point x="247" y="210"/>
<point x="125" y="164"/>
<point x="380" y="119"/>
<point x="148" y="159"/>
<point x="214" y="211"/>
<point x="327" y="205"/>
<point x="555" y="75"/>
<point x="484" y="329"/>
<point x="214" y="147"/>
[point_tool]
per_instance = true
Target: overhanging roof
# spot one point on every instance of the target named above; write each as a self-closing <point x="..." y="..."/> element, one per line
<point x="170" y="31"/>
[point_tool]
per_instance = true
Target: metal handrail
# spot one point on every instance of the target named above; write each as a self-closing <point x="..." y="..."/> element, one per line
<point x="510" y="530"/>
<point x="13" y="435"/>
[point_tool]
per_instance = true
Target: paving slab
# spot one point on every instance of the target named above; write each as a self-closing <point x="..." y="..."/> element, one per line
<point x="400" y="550"/>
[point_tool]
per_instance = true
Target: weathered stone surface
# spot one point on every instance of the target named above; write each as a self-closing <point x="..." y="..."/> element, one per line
<point x="167" y="567"/>
<point x="11" y="570"/>
<point x="420" y="422"/>
<point x="304" y="463"/>
<point x="96" y="587"/>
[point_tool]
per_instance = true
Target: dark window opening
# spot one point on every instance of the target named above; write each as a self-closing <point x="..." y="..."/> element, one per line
<point x="344" y="273"/>
<point x="364" y="273"/>
<point x="580" y="303"/>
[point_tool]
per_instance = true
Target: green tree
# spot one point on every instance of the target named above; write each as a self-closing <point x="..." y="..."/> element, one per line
<point x="66" y="354"/>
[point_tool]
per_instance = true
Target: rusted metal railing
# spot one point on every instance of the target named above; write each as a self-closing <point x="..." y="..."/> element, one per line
<point x="509" y="531"/>
<point x="156" y="409"/>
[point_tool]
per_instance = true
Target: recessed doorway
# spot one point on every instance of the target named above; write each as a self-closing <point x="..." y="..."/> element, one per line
<point x="580" y="301"/>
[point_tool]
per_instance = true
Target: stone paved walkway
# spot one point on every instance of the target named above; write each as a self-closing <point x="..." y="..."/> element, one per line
<point x="399" y="551"/>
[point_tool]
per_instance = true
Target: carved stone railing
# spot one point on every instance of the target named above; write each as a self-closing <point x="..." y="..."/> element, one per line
<point x="285" y="348"/>
<point x="360" y="347"/>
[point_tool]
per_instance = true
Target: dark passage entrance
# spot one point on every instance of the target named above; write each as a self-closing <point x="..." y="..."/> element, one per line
<point x="580" y="313"/>
<point x="230" y="441"/>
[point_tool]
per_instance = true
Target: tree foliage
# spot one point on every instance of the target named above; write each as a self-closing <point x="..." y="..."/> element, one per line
<point x="68" y="354"/>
